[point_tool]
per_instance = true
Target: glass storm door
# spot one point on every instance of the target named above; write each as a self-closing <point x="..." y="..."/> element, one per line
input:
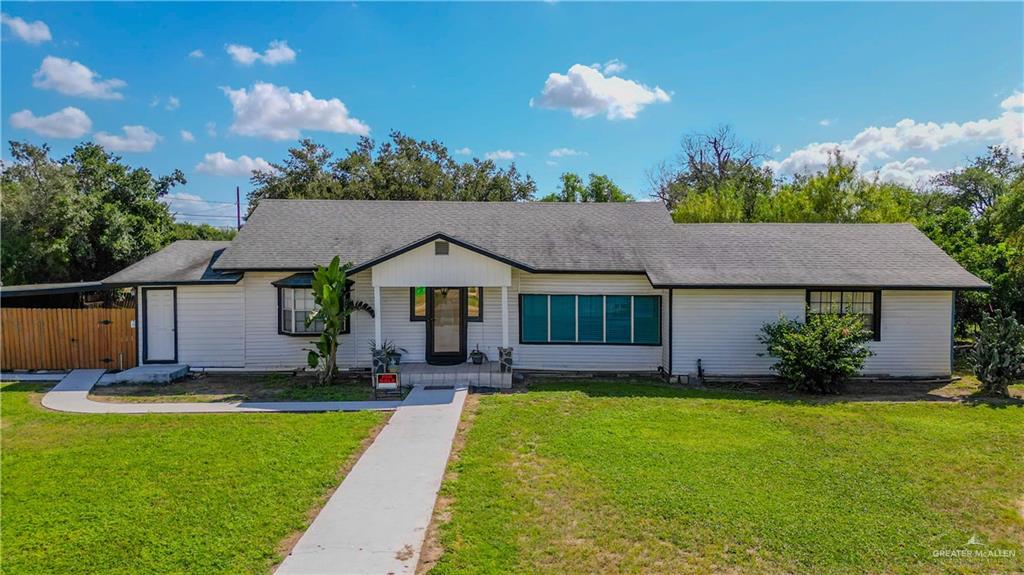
<point x="446" y="326"/>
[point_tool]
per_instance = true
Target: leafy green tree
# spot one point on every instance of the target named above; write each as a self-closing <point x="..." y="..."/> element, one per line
<point x="82" y="217"/>
<point x="401" y="168"/>
<point x="189" y="231"/>
<point x="333" y="306"/>
<point x="599" y="188"/>
<point x="817" y="356"/>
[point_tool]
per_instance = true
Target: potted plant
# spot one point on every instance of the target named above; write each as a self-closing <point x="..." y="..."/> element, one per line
<point x="386" y="356"/>
<point x="477" y="356"/>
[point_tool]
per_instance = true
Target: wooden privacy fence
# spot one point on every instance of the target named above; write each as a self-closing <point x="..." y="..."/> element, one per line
<point x="67" y="338"/>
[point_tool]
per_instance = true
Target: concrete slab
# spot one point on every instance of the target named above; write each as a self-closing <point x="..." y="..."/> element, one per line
<point x="377" y="519"/>
<point x="147" y="374"/>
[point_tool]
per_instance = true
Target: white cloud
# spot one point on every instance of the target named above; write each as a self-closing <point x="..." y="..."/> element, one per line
<point x="825" y="122"/>
<point x="74" y="79"/>
<point x="32" y="32"/>
<point x="565" y="153"/>
<point x="463" y="152"/>
<point x="67" y="123"/>
<point x="172" y="103"/>
<point x="587" y="92"/>
<point x="502" y="155"/>
<point x="276" y="53"/>
<point x="187" y="136"/>
<point x="910" y="172"/>
<point x="219" y="164"/>
<point x="881" y="143"/>
<point x="614" y="66"/>
<point x="192" y="208"/>
<point x="551" y="162"/>
<point x="211" y="129"/>
<point x="134" y="139"/>
<point x="196" y="54"/>
<point x="1016" y="100"/>
<point x="277" y="113"/>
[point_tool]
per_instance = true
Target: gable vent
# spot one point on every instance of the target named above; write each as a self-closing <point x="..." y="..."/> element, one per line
<point x="440" y="248"/>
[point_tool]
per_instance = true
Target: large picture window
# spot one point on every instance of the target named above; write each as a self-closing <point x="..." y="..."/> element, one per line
<point x="294" y="306"/>
<point x="590" y="319"/>
<point x="862" y="303"/>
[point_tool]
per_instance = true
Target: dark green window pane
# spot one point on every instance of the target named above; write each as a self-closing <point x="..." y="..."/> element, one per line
<point x="617" y="321"/>
<point x="535" y="318"/>
<point x="563" y="318"/>
<point x="591" y="318"/>
<point x="646" y="327"/>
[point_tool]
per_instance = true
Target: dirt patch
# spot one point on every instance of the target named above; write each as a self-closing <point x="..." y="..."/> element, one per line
<point x="285" y="546"/>
<point x="236" y="387"/>
<point x="431" y="551"/>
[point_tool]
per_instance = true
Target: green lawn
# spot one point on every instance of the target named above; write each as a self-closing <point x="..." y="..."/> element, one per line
<point x="609" y="477"/>
<point x="202" y="493"/>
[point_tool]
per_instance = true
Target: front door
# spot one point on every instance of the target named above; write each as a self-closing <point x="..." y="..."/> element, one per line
<point x="159" y="341"/>
<point x="446" y="326"/>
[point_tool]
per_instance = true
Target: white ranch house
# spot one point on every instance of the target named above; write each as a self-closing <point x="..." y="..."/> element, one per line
<point x="563" y="287"/>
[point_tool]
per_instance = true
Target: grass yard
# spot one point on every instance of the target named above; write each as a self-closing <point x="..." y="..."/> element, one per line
<point x="203" y="493"/>
<point x="236" y="387"/>
<point x="587" y="477"/>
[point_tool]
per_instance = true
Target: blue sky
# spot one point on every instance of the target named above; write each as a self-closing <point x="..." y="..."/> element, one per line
<point x="785" y="75"/>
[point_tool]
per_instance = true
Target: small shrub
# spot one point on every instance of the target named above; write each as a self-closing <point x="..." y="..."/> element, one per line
<point x="819" y="355"/>
<point x="998" y="355"/>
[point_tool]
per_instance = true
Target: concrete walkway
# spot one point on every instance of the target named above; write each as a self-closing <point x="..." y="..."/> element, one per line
<point x="72" y="394"/>
<point x="376" y="521"/>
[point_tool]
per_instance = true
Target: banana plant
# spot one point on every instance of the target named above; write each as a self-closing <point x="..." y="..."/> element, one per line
<point x="334" y="305"/>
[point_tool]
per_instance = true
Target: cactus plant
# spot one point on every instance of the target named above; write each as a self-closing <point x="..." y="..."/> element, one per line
<point x="998" y="354"/>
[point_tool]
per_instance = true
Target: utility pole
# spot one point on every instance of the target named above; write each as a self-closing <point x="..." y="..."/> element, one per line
<point x="238" y="208"/>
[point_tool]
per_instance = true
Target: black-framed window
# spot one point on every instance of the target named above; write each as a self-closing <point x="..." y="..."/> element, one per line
<point x="474" y="304"/>
<point x="867" y="304"/>
<point x="589" y="319"/>
<point x="294" y="305"/>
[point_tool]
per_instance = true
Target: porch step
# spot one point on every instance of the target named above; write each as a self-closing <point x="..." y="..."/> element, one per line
<point x="487" y="374"/>
<point x="147" y="374"/>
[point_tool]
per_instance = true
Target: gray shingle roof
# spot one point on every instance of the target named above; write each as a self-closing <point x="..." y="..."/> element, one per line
<point x="804" y="255"/>
<point x="635" y="237"/>
<point x="184" y="261"/>
<point x="299" y="234"/>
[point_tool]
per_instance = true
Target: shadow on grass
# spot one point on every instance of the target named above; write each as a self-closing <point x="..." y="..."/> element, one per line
<point x="906" y="392"/>
<point x="26" y="386"/>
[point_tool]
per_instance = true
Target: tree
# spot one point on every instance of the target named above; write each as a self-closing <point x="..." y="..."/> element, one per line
<point x="599" y="188"/>
<point x="82" y="217"/>
<point x="710" y="163"/>
<point x="820" y="355"/>
<point x="333" y="307"/>
<point x="188" y="231"/>
<point x="998" y="354"/>
<point x="401" y="168"/>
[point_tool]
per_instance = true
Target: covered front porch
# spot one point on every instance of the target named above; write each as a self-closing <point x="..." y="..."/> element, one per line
<point x="446" y="308"/>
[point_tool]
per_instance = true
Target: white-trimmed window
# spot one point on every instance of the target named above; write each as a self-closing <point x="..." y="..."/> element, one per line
<point x="295" y="305"/>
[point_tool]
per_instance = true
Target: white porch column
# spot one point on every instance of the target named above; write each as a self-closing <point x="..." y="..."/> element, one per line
<point x="377" y="312"/>
<point x="504" y="316"/>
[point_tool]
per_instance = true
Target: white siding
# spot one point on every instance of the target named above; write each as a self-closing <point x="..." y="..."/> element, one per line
<point x="265" y="348"/>
<point x="395" y="324"/>
<point x="916" y="334"/>
<point x="720" y="328"/>
<point x="581" y="357"/>
<point x="210" y="326"/>
<point x="460" y="268"/>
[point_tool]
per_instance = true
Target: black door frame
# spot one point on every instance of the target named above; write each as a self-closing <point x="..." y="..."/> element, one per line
<point x="145" y="326"/>
<point x="446" y="358"/>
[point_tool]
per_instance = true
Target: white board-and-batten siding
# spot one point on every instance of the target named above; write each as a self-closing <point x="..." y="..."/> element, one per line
<point x="720" y="328"/>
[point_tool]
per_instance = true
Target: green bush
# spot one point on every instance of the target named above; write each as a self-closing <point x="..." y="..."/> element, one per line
<point x="819" y="355"/>
<point x="998" y="355"/>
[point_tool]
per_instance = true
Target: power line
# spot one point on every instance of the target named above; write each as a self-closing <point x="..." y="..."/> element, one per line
<point x="203" y="216"/>
<point x="199" y="200"/>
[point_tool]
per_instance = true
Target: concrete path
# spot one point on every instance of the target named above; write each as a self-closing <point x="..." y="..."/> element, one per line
<point x="376" y="521"/>
<point x="72" y="394"/>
